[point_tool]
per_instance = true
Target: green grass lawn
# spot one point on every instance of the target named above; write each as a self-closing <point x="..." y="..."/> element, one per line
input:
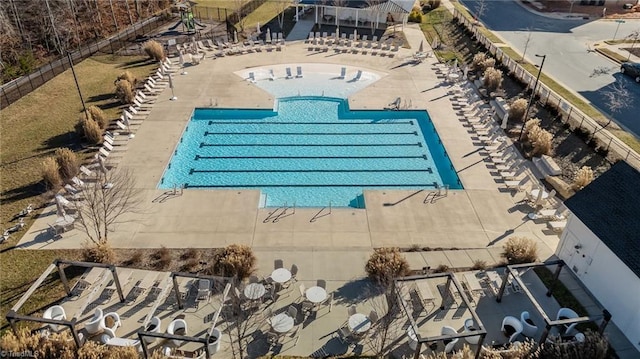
<point x="463" y="10"/>
<point x="263" y="14"/>
<point x="32" y="128"/>
<point x="432" y="24"/>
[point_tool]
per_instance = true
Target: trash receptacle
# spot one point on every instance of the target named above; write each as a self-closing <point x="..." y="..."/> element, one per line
<point x="214" y="341"/>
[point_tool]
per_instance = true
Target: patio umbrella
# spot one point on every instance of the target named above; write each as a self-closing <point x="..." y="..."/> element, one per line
<point x="539" y="198"/>
<point x="268" y="38"/>
<point x="173" y="96"/>
<point x="60" y="209"/>
<point x="355" y="34"/>
<point x="181" y="60"/>
<point x="465" y="71"/>
<point x="235" y="36"/>
<point x="101" y="165"/>
<point x="194" y="47"/>
<point x="421" y="48"/>
<point x="503" y="125"/>
<point x="258" y="27"/>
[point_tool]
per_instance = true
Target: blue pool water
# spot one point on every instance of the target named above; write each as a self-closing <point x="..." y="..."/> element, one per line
<point x="312" y="151"/>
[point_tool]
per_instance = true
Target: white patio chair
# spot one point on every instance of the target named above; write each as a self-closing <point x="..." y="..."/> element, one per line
<point x="56" y="313"/>
<point x="529" y="328"/>
<point x="154" y="327"/>
<point x="512" y="327"/>
<point x="177" y="327"/>
<point x="449" y="344"/>
<point x="204" y="290"/>
<point x="113" y="319"/>
<point x="96" y="323"/>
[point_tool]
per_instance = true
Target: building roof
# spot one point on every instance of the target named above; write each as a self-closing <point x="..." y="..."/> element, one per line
<point x="393" y="6"/>
<point x="610" y="208"/>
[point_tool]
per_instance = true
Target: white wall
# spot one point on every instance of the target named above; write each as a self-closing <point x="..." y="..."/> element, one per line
<point x="605" y="275"/>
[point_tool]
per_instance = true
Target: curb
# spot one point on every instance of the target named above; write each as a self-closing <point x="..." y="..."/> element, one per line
<point x="599" y="50"/>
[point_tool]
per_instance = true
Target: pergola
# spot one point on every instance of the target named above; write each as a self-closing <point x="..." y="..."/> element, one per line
<point x="514" y="270"/>
<point x="451" y="280"/>
<point x="13" y="317"/>
<point x="383" y="12"/>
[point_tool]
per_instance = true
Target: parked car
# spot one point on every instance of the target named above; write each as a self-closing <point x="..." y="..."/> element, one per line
<point x="631" y="69"/>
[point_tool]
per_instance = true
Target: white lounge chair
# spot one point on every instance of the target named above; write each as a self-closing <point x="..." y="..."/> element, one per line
<point x="299" y="72"/>
<point x="288" y="72"/>
<point x="358" y="75"/>
<point x="517" y="185"/>
<point x="272" y="76"/>
<point x="204" y="289"/>
<point x="252" y="77"/>
<point x="343" y="73"/>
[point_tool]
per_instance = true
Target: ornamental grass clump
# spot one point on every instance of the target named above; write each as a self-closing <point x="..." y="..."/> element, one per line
<point x="517" y="110"/>
<point x="582" y="178"/>
<point x="124" y="91"/>
<point x="154" y="50"/>
<point x="594" y="346"/>
<point x="89" y="129"/>
<point x="99" y="116"/>
<point x="235" y="261"/>
<point x="492" y="79"/>
<point x="385" y="264"/>
<point x="51" y="173"/>
<point x="518" y="250"/>
<point x="68" y="163"/>
<point x="100" y="252"/>
<point x="541" y="141"/>
<point x="127" y="75"/>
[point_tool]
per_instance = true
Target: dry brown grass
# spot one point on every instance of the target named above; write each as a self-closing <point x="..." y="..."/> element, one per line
<point x="99" y="116"/>
<point x="517" y="110"/>
<point x="582" y="178"/>
<point x="385" y="264"/>
<point x="492" y="79"/>
<point x="532" y="123"/>
<point x="235" y="261"/>
<point x="519" y="250"/>
<point x="478" y="60"/>
<point x="68" y="163"/>
<point x="154" y="50"/>
<point x="124" y="92"/>
<point x="163" y="258"/>
<point x="51" y="173"/>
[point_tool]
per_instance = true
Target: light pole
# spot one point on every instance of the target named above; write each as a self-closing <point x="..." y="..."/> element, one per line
<point x="533" y="95"/>
<point x="75" y="78"/>
<point x="617" y="27"/>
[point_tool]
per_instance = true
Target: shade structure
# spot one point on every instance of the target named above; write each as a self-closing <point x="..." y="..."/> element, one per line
<point x="421" y="48"/>
<point x="268" y="37"/>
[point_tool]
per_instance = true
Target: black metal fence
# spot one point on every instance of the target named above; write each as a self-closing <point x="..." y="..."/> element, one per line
<point x="14" y="90"/>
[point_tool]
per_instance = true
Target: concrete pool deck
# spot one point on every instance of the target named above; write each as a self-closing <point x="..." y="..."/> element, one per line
<point x="481" y="215"/>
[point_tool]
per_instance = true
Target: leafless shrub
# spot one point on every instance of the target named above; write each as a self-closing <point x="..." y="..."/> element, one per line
<point x="441" y="268"/>
<point x="100" y="252"/>
<point x="518" y="250"/>
<point x="51" y="173"/>
<point x="99" y="116"/>
<point x="492" y="79"/>
<point x="235" y="261"/>
<point x="190" y="253"/>
<point x="582" y="178"/>
<point x="135" y="260"/>
<point x="522" y="350"/>
<point x="385" y="264"/>
<point x="154" y="50"/>
<point x="517" y="110"/>
<point x="124" y="92"/>
<point x="68" y="163"/>
<point x="163" y="258"/>
<point x="479" y="264"/>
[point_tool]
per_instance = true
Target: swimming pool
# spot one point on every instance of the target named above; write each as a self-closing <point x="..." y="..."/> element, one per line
<point x="310" y="152"/>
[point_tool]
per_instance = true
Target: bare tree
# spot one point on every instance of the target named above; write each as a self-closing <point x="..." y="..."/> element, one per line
<point x="481" y="9"/>
<point x="617" y="99"/>
<point x="242" y="321"/>
<point x="105" y="201"/>
<point x="242" y="19"/>
<point x="389" y="326"/>
<point x="526" y="43"/>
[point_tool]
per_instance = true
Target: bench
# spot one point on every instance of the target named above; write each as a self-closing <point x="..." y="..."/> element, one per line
<point x="547" y="166"/>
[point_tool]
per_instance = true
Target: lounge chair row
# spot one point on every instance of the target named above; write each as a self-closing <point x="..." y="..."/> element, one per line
<point x="354" y="45"/>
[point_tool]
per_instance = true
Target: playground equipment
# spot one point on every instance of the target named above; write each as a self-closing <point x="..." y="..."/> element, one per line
<point x="186" y="16"/>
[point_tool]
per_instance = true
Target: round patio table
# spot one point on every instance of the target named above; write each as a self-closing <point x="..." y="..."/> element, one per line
<point x="359" y="323"/>
<point x="281" y="275"/>
<point x="316" y="294"/>
<point x="282" y="323"/>
<point x="254" y="291"/>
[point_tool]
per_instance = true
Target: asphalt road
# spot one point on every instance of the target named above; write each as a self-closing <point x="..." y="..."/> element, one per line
<point x="569" y="59"/>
